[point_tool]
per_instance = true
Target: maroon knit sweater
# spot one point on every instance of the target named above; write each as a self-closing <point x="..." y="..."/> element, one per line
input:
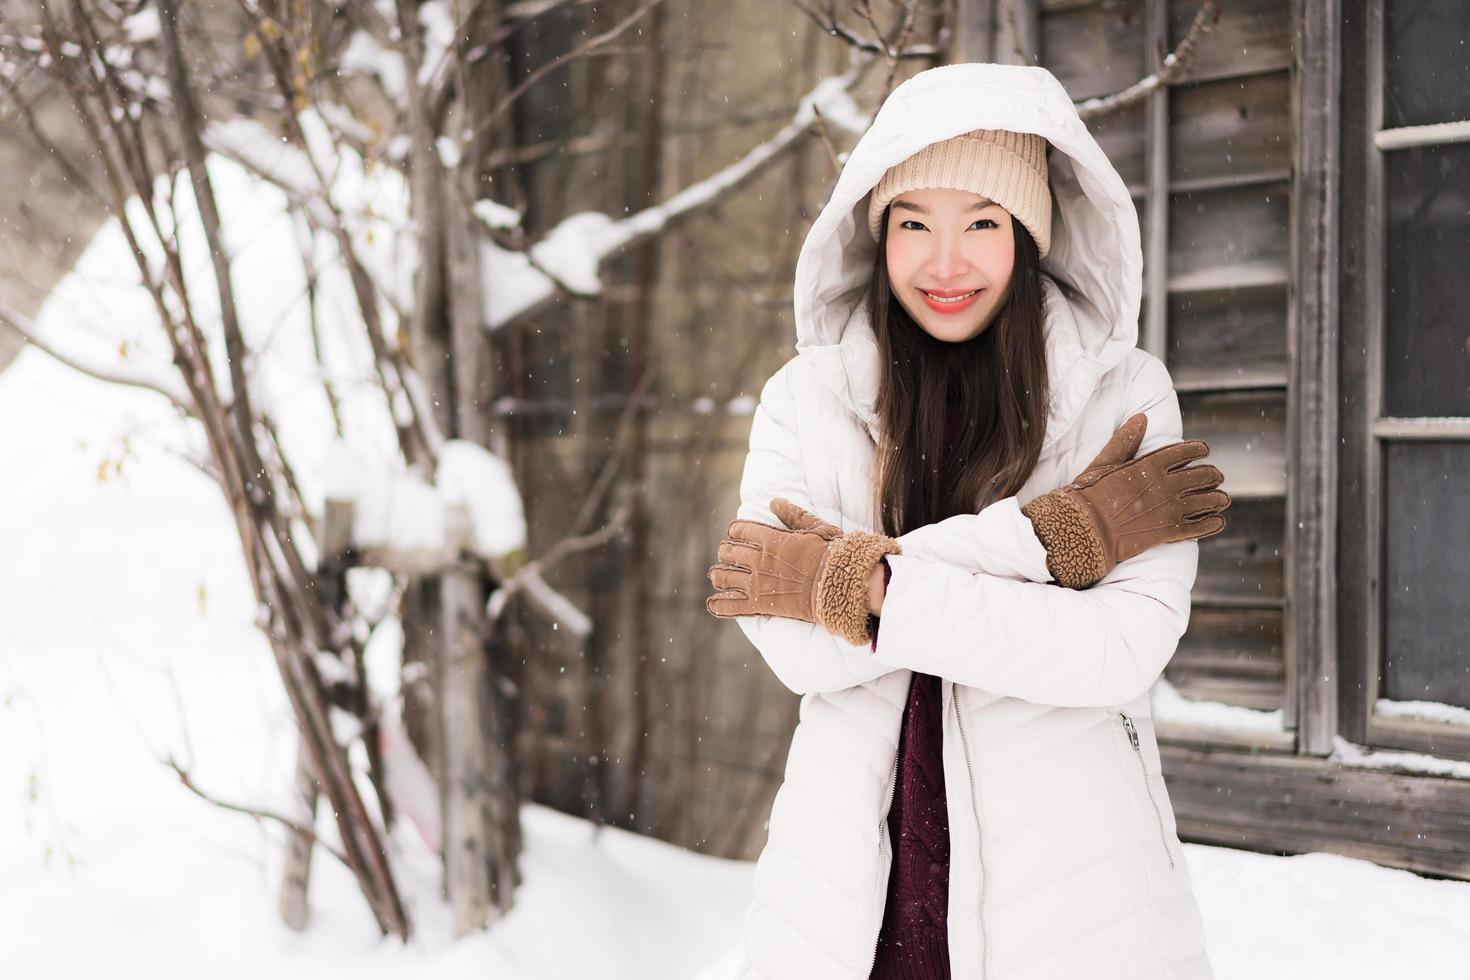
<point x="913" y="943"/>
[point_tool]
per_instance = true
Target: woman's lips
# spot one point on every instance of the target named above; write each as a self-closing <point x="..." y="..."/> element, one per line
<point x="950" y="306"/>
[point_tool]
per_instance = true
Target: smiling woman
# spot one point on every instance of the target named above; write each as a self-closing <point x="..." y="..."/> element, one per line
<point x="973" y="788"/>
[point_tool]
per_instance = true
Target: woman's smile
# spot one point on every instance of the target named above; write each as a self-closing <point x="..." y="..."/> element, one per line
<point x="948" y="300"/>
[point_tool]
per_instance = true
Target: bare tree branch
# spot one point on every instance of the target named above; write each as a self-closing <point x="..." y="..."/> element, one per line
<point x="259" y="813"/>
<point x="26" y="330"/>
<point x="829" y="24"/>
<point x="590" y="45"/>
<point x="1173" y="66"/>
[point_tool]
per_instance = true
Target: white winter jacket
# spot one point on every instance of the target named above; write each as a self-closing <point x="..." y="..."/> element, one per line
<point x="1064" y="860"/>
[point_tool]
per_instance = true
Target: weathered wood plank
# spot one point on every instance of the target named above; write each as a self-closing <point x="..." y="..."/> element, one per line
<point x="1219" y="333"/>
<point x="1262" y="694"/>
<point x="1232" y="236"/>
<point x="1018" y="34"/>
<point x="1232" y="126"/>
<point x="1313" y="675"/>
<point x="1231" y="655"/>
<point x="1120" y="134"/>
<point x="1283" y="803"/>
<point x="1251" y="36"/>
<point x="1096" y="49"/>
<point x="974" y="34"/>
<point x="1246" y="433"/>
<point x="1441" y="739"/>
<point x="1206" y="737"/>
<point x="1157" y="227"/>
<point x="1243" y="564"/>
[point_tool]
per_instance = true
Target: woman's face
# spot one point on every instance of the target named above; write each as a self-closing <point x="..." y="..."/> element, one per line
<point x="945" y="243"/>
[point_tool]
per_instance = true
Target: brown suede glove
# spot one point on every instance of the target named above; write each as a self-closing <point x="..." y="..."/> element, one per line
<point x="1119" y="507"/>
<point x="808" y="570"/>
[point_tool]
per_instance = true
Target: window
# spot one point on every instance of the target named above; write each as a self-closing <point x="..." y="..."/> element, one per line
<point x="1405" y="536"/>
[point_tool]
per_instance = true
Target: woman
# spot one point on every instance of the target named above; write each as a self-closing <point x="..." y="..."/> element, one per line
<point x="967" y="537"/>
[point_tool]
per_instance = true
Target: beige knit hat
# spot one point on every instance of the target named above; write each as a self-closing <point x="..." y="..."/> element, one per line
<point x="1005" y="166"/>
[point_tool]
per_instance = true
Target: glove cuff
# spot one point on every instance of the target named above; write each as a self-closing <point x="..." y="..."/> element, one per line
<point x="1074" y="548"/>
<point x="841" y="601"/>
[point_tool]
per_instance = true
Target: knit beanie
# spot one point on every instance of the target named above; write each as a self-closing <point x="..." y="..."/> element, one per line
<point x="1005" y="166"/>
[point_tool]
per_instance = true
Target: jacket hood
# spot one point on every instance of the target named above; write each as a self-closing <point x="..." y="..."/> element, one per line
<point x="1095" y="240"/>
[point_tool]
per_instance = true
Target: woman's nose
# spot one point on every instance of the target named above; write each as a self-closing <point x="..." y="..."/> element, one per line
<point x="946" y="259"/>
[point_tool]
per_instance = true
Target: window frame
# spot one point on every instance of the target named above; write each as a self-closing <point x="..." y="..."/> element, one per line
<point x="1365" y="428"/>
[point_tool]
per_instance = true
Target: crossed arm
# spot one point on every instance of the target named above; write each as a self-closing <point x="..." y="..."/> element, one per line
<point x="969" y="597"/>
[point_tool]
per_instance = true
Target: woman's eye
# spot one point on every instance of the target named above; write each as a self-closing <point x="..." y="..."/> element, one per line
<point x="918" y="226"/>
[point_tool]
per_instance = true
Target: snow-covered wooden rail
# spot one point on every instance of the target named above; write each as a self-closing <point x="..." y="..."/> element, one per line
<point x="387" y="517"/>
<point x="408" y="557"/>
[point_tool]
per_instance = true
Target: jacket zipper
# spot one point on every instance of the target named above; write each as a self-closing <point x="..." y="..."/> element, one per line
<point x="883" y="846"/>
<point x="1138" y="754"/>
<point x="979" y="834"/>
<point x="869" y="421"/>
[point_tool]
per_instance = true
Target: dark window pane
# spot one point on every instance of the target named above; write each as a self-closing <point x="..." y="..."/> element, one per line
<point x="1427" y="574"/>
<point x="1427" y="339"/>
<point x="1426" y="62"/>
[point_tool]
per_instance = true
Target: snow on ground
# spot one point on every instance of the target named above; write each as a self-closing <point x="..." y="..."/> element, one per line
<point x="115" y="592"/>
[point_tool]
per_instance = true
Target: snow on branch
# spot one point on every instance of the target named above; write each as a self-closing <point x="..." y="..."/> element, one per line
<point x="1172" y="67"/>
<point x="271" y="158"/>
<point x="879" y="44"/>
<point x="165" y="385"/>
<point x="365" y="55"/>
<point x="400" y="520"/>
<point x="569" y="257"/>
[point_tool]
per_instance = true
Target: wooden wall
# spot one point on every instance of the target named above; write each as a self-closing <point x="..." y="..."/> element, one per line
<point x="1215" y="160"/>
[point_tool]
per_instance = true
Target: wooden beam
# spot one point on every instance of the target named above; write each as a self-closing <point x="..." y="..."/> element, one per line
<point x="338" y="549"/>
<point x="1017" y="32"/>
<point x="1434" y="134"/>
<point x="1312" y="397"/>
<point x="1436" y="429"/>
<point x="1155" y="338"/>
<point x="1295" y="804"/>
<point x="974" y="36"/>
<point x="1357" y="578"/>
<point x="1213" y="738"/>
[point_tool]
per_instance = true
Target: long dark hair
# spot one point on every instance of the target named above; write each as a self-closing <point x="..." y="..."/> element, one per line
<point x="995" y="382"/>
